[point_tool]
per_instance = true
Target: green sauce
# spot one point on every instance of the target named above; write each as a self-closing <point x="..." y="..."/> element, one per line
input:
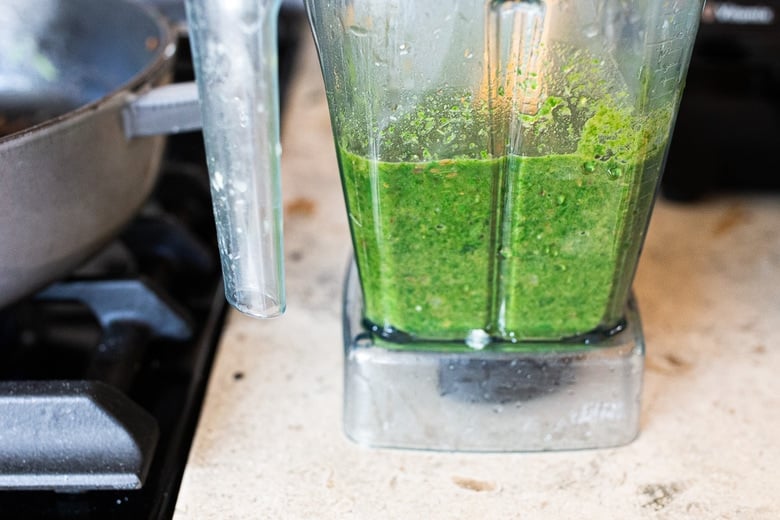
<point x="523" y="247"/>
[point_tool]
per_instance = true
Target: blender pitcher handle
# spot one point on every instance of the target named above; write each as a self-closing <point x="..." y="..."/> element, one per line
<point x="235" y="57"/>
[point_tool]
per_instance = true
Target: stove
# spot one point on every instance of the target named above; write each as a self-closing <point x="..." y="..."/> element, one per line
<point x="103" y="373"/>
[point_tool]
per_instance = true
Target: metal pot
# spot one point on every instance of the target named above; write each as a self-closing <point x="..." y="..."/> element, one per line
<point x="76" y="173"/>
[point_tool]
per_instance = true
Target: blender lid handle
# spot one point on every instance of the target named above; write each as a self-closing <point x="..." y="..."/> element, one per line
<point x="234" y="51"/>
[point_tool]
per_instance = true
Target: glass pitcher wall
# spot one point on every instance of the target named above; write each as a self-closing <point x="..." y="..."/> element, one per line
<point x="235" y="58"/>
<point x="499" y="159"/>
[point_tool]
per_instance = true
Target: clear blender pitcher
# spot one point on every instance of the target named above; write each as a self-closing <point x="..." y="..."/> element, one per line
<point x="499" y="161"/>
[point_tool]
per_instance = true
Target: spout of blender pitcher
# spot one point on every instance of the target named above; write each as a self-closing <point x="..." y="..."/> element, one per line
<point x="234" y="53"/>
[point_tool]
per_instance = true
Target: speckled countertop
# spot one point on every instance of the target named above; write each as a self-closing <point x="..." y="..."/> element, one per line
<point x="270" y="444"/>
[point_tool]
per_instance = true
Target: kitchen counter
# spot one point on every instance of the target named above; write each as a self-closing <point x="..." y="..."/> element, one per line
<point x="270" y="443"/>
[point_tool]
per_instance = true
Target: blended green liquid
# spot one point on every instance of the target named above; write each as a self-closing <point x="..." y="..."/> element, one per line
<point x="520" y="247"/>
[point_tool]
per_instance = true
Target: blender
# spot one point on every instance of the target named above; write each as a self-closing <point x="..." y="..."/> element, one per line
<point x="499" y="162"/>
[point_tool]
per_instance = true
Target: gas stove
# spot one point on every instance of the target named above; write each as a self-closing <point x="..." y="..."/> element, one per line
<point x="102" y="374"/>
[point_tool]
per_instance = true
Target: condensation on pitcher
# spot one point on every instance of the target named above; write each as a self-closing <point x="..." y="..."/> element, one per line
<point x="217" y="64"/>
<point x="218" y="181"/>
<point x="249" y="23"/>
<point x="477" y="339"/>
<point x="240" y="185"/>
<point x="591" y="30"/>
<point x="243" y="117"/>
<point x="358" y="30"/>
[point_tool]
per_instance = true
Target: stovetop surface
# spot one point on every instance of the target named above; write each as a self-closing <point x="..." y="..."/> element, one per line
<point x="166" y="259"/>
<point x="143" y="316"/>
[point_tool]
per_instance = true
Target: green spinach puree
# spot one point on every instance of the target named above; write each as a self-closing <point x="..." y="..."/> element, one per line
<point x="522" y="247"/>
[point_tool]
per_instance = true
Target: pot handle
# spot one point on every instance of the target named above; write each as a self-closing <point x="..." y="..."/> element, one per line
<point x="169" y="109"/>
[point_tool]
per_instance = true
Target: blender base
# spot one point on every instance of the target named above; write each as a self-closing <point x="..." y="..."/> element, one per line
<point x="566" y="396"/>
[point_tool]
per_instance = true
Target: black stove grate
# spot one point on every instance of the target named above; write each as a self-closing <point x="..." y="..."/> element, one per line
<point x="144" y="317"/>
